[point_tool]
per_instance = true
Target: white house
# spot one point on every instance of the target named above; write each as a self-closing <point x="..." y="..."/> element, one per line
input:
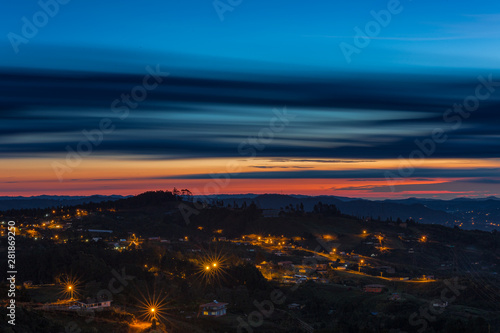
<point x="94" y="304"/>
<point x="214" y="309"/>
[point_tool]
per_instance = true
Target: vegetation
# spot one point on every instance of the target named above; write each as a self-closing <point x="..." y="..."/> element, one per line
<point x="173" y="271"/>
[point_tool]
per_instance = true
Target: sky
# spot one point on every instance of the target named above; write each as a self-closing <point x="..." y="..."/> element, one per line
<point x="371" y="99"/>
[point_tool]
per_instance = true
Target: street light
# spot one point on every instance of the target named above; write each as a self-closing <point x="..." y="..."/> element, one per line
<point x="70" y="288"/>
<point x="153" y="319"/>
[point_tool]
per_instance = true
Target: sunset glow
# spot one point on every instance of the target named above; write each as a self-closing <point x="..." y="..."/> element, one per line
<point x="225" y="175"/>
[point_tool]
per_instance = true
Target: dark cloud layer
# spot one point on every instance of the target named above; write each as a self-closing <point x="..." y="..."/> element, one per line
<point x="392" y="175"/>
<point x="345" y="117"/>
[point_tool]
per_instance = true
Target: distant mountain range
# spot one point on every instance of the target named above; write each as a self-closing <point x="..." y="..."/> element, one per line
<point x="482" y="213"/>
<point x="45" y="201"/>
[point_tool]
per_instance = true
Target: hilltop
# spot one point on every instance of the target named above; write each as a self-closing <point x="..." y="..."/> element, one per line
<point x="339" y="272"/>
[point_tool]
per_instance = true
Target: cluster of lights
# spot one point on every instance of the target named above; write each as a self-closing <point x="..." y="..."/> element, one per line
<point x="212" y="267"/>
<point x="208" y="267"/>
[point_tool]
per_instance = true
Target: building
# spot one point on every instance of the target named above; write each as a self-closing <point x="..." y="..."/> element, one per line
<point x="439" y="304"/>
<point x="321" y="267"/>
<point x="295" y="306"/>
<point x="94" y="304"/>
<point x="97" y="231"/>
<point x="285" y="264"/>
<point x="374" y="288"/>
<point x="395" y="297"/>
<point x="214" y="309"/>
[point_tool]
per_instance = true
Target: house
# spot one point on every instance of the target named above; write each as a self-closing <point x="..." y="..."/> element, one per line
<point x="374" y="288"/>
<point x="289" y="279"/>
<point x="285" y="264"/>
<point x="94" y="304"/>
<point x="214" y="309"/>
<point x="295" y="306"/>
<point x="387" y="269"/>
<point x="395" y="297"/>
<point x="439" y="304"/>
<point x="300" y="278"/>
<point x="99" y="231"/>
<point x="321" y="267"/>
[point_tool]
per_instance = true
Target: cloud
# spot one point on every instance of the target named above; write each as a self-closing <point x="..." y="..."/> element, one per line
<point x="280" y="167"/>
<point x="482" y="185"/>
<point x="340" y="174"/>
<point x="319" y="161"/>
<point x="339" y="120"/>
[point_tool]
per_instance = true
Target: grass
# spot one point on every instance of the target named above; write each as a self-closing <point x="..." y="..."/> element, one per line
<point x="45" y="294"/>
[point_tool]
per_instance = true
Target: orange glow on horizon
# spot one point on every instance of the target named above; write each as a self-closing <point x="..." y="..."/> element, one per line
<point x="36" y="176"/>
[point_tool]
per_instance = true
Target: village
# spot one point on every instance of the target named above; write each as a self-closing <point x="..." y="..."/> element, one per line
<point x="213" y="270"/>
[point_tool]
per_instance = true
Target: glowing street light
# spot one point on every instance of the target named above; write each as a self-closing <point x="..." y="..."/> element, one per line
<point x="212" y="267"/>
<point x="70" y="288"/>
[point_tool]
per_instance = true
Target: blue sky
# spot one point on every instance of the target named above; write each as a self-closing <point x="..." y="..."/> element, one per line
<point x="270" y="35"/>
